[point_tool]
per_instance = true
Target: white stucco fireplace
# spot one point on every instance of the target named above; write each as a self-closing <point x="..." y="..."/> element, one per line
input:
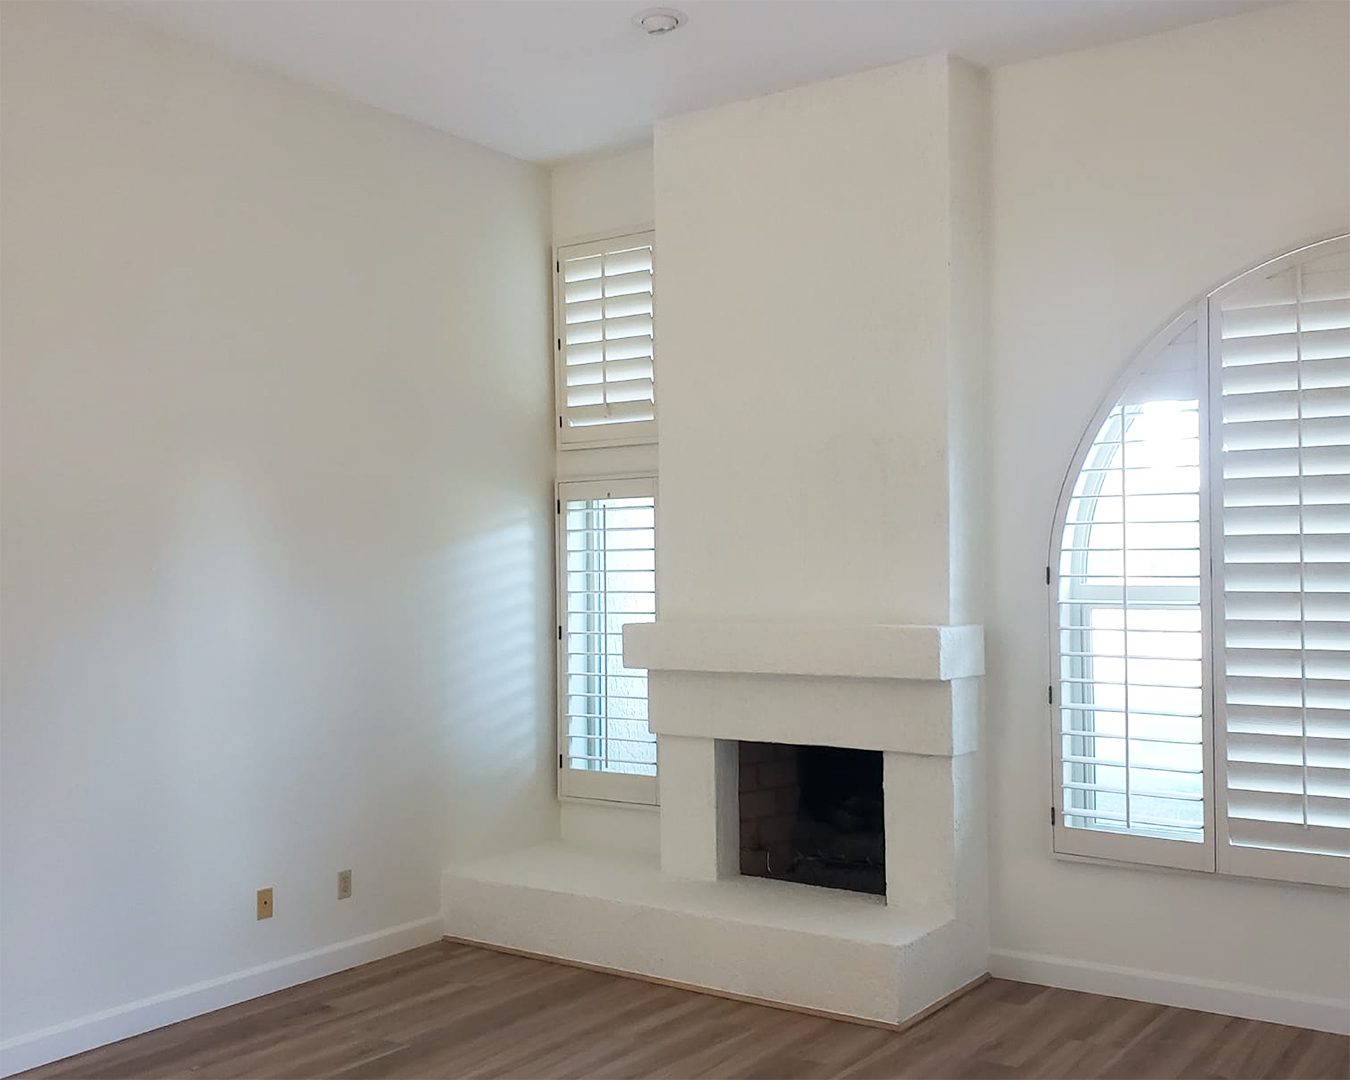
<point x="909" y="692"/>
<point x="819" y="311"/>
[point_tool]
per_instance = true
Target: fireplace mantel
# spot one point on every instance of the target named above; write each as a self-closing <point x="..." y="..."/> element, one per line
<point x="904" y="688"/>
<point x="860" y="651"/>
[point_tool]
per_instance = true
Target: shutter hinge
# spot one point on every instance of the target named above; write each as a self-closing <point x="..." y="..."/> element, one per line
<point x="1050" y="694"/>
<point x="557" y="267"/>
<point x="1047" y="575"/>
<point x="558" y="502"/>
<point x="560" y="633"/>
<point x="560" y="421"/>
<point x="559" y="340"/>
<point x="1053" y="815"/>
<point x="560" y="764"/>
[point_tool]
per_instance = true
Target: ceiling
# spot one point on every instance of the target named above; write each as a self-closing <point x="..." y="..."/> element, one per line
<point x="548" y="79"/>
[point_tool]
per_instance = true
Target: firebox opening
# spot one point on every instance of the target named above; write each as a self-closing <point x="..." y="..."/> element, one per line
<point x="813" y="815"/>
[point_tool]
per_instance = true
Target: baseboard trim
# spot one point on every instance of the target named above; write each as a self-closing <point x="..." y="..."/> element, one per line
<point x="98" y="1029"/>
<point x="1227" y="999"/>
<point x="729" y="995"/>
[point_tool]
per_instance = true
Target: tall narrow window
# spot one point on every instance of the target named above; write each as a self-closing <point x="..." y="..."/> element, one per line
<point x="605" y="372"/>
<point x="1201" y="591"/>
<point x="606" y="579"/>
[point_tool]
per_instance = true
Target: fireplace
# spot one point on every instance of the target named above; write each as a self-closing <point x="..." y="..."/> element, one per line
<point x="748" y="793"/>
<point x="813" y="815"/>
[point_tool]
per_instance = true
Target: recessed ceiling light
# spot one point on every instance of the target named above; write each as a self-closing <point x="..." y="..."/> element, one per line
<point x="658" y="21"/>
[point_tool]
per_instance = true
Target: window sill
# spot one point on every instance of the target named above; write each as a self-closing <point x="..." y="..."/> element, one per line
<point x="1190" y="872"/>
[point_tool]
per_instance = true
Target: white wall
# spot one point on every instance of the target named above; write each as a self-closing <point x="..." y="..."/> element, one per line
<point x="1127" y="181"/>
<point x="276" y="500"/>
<point x="602" y="194"/>
<point x="594" y="196"/>
<point x="805" y="320"/>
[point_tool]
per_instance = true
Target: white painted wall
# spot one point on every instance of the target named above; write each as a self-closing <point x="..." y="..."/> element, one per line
<point x="602" y="194"/>
<point x="1128" y="180"/>
<point x="276" y="500"/>
<point x="807" y="242"/>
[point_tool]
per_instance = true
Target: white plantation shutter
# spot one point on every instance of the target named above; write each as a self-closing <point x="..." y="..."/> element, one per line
<point x="1200" y="591"/>
<point x="605" y="370"/>
<point x="1131" y="750"/>
<point x="606" y="579"/>
<point x="1281" y="400"/>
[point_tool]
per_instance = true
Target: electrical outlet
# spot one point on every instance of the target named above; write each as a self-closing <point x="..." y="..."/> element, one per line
<point x="344" y="884"/>
<point x="265" y="903"/>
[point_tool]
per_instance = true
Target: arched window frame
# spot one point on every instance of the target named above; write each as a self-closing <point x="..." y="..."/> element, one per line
<point x="1213" y="853"/>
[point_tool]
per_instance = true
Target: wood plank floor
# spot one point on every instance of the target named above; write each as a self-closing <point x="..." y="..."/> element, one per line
<point x="452" y="1010"/>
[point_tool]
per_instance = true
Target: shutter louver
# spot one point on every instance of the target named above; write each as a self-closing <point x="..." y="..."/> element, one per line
<point x="607" y="579"/>
<point x="1282" y="615"/>
<point x="606" y="355"/>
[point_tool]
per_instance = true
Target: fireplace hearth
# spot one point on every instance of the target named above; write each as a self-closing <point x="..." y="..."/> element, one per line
<point x="813" y="815"/>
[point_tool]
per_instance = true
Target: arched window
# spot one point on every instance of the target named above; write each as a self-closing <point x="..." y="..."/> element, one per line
<point x="1200" y="585"/>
